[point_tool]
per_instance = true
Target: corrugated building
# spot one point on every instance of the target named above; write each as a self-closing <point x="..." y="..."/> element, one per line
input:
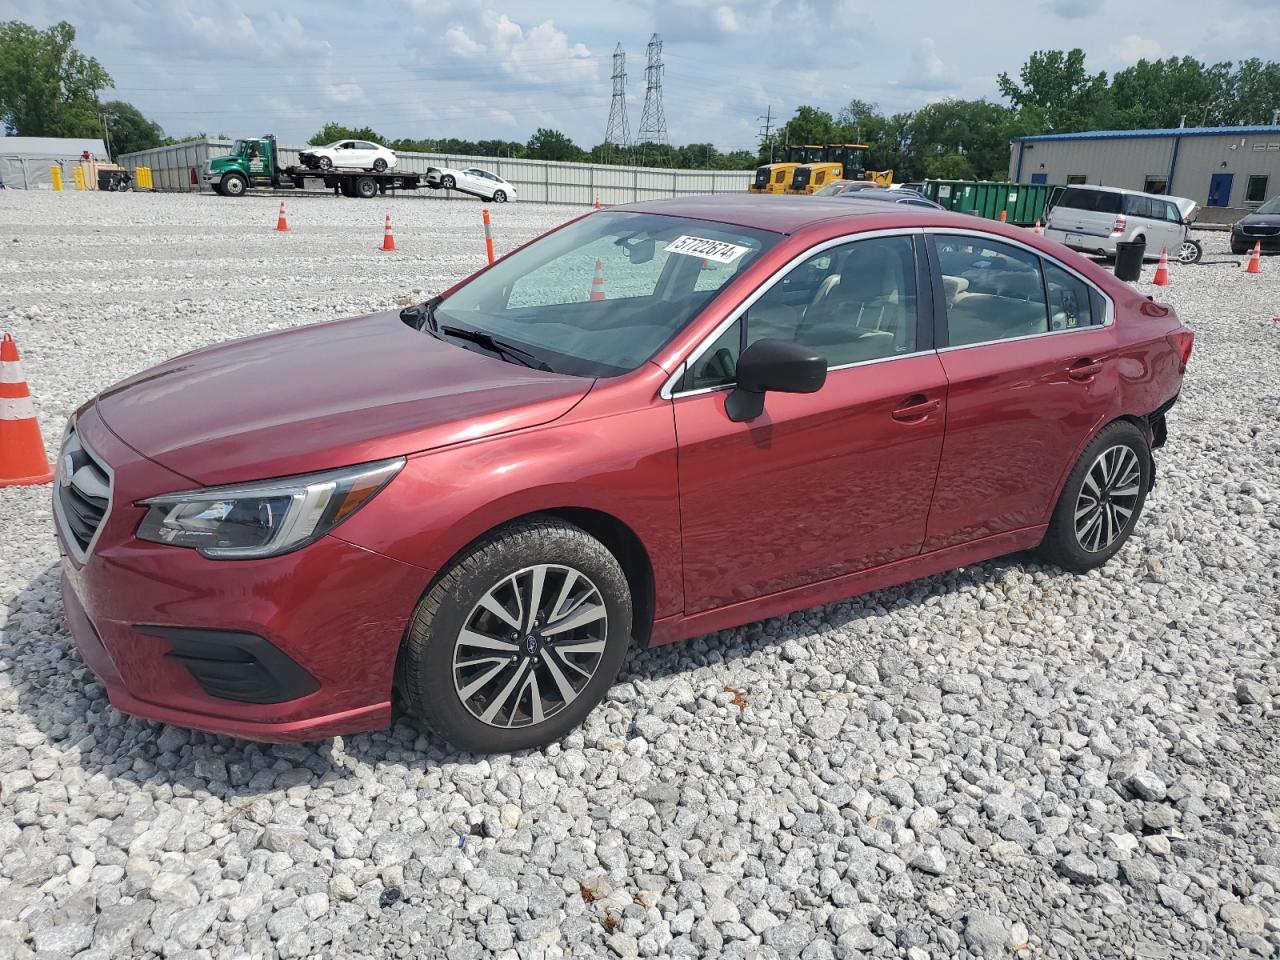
<point x="26" y="162"/>
<point x="1228" y="167"/>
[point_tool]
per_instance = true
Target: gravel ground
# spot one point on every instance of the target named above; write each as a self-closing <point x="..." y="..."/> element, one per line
<point x="1004" y="761"/>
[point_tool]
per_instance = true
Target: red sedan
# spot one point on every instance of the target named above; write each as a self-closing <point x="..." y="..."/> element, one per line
<point x="656" y="421"/>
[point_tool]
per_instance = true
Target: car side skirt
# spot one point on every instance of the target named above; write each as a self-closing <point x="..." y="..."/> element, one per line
<point x="681" y="627"/>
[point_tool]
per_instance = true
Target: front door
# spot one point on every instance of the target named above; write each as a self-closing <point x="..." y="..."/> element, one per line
<point x="1220" y="190"/>
<point x="1028" y="380"/>
<point x="821" y="484"/>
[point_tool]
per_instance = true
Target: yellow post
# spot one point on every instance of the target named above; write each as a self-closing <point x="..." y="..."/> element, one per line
<point x="144" y="178"/>
<point x="55" y="177"/>
<point x="77" y="177"/>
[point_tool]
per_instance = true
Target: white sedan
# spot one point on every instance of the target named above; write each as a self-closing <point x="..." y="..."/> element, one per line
<point x="478" y="183"/>
<point x="348" y="155"/>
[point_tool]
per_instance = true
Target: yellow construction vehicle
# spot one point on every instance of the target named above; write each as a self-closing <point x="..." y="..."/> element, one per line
<point x="881" y="178"/>
<point x="776" y="177"/>
<point x="836" y="161"/>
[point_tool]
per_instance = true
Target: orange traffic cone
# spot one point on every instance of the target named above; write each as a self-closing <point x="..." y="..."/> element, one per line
<point x="282" y="225"/>
<point x="1255" y="259"/>
<point x="1039" y="229"/>
<point x="388" y="238"/>
<point x="597" y="283"/>
<point x="1161" y="279"/>
<point x="22" y="457"/>
<point x="1004" y="216"/>
<point x="597" y="201"/>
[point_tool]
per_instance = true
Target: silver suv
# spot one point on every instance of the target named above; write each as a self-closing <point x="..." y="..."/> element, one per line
<point x="1094" y="219"/>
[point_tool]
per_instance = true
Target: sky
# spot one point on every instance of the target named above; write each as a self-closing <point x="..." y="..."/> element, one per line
<point x="478" y="69"/>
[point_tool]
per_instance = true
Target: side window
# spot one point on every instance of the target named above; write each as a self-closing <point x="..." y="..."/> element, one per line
<point x="994" y="291"/>
<point x="1171" y="213"/>
<point x="719" y="362"/>
<point x="1070" y="304"/>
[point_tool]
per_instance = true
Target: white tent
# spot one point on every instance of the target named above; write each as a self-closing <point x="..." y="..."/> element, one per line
<point x="25" y="161"/>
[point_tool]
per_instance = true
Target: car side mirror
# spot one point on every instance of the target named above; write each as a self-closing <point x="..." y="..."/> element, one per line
<point x="777" y="365"/>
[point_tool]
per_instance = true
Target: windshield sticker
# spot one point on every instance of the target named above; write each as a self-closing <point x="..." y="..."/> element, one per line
<point x="716" y="250"/>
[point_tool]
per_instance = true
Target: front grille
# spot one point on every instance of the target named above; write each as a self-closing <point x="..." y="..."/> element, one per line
<point x="82" y="495"/>
<point x="762" y="177"/>
<point x="1255" y="231"/>
<point x="800" y="179"/>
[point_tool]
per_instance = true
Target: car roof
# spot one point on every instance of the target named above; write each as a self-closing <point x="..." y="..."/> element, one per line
<point x="779" y="214"/>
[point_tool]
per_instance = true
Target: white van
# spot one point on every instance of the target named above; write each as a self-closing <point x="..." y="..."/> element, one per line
<point x="1094" y="219"/>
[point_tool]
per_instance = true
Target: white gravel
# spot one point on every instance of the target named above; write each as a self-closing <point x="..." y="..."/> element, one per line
<point x="1001" y="761"/>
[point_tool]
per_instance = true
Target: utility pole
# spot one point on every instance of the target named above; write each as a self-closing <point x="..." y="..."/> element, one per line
<point x="653" y="121"/>
<point x="618" y="133"/>
<point x="766" y="131"/>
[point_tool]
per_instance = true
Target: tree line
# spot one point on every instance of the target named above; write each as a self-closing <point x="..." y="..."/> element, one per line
<point x="48" y="88"/>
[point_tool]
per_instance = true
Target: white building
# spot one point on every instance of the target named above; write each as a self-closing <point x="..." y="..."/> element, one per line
<point x="25" y="162"/>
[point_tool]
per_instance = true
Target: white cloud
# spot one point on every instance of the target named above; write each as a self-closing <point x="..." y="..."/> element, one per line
<point x="345" y="92"/>
<point x="927" y="59"/>
<point x="1134" y="48"/>
<point x="1075" y="9"/>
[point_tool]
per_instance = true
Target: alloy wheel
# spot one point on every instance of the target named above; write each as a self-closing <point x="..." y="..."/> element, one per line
<point x="1108" y="498"/>
<point x="1189" y="252"/>
<point x="530" y="646"/>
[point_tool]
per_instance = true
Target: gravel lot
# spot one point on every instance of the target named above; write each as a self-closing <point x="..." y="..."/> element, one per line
<point x="1001" y="761"/>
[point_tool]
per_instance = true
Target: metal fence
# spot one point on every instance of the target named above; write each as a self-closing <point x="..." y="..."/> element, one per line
<point x="181" y="166"/>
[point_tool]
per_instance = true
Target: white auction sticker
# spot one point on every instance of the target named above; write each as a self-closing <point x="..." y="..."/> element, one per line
<point x="716" y="250"/>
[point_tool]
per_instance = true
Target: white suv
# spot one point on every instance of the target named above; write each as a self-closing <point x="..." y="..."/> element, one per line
<point x="1094" y="219"/>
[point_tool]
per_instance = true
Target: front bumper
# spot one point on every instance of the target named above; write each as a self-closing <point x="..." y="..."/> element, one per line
<point x="297" y="647"/>
<point x="1246" y="241"/>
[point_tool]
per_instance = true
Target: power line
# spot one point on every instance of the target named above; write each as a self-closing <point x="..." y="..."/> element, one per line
<point x="653" y="121"/>
<point x="618" y="132"/>
<point x="766" y="135"/>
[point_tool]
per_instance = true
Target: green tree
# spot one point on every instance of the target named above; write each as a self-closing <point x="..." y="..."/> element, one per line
<point x="809" y="125"/>
<point x="949" y="166"/>
<point x="552" y="145"/>
<point x="336" y="131"/>
<point x="1255" y="91"/>
<point x="48" y="88"/>
<point x="976" y="131"/>
<point x="1057" y="93"/>
<point x="1161" y="93"/>
<point x="128" y="130"/>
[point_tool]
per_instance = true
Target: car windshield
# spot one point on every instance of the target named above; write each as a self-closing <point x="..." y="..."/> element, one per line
<point x="599" y="297"/>
<point x="1271" y="206"/>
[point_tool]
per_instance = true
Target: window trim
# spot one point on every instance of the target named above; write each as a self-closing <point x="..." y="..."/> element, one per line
<point x="1266" y="185"/>
<point x="941" y="341"/>
<point x="670" y="387"/>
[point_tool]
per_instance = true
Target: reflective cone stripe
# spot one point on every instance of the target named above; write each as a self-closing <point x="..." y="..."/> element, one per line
<point x="1161" y="279"/>
<point x="282" y="225"/>
<point x="22" y="457"/>
<point x="1255" y="259"/>
<point x="597" y="283"/>
<point x="488" y="234"/>
<point x="388" y="238"/>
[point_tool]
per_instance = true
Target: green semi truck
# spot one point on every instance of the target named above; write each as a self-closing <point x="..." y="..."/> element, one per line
<point x="256" y="163"/>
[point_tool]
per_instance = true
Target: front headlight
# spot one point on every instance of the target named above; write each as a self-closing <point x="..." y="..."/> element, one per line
<point x="264" y="518"/>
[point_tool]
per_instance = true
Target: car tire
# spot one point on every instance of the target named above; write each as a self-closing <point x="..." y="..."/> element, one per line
<point x="448" y="182"/>
<point x="499" y="196"/>
<point x="1113" y="475"/>
<point x="367" y="188"/>
<point x="442" y="678"/>
<point x="379" y="166"/>
<point x="1239" y="251"/>
<point x="1190" y="251"/>
<point x="324" y="163"/>
<point x="233" y="185"/>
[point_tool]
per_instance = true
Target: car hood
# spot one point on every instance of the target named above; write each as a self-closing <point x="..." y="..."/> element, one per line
<point x="1260" y="220"/>
<point x="325" y="395"/>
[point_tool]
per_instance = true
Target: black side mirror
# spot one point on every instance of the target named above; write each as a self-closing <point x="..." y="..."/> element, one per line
<point x="778" y="365"/>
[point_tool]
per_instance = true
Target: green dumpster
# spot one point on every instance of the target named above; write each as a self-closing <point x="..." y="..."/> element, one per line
<point x="1023" y="203"/>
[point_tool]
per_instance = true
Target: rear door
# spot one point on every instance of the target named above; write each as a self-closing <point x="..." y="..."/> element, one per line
<point x="1029" y="358"/>
<point x="821" y="484"/>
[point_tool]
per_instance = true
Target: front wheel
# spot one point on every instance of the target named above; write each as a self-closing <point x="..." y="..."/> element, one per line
<point x="1102" y="499"/>
<point x="324" y="163"/>
<point x="519" y="640"/>
<point x="499" y="196"/>
<point x="234" y="185"/>
<point x="1190" y="251"/>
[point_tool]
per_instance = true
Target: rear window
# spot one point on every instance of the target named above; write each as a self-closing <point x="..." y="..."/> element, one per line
<point x="1098" y="201"/>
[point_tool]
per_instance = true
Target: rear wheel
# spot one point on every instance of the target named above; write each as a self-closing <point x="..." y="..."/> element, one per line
<point x="499" y="196"/>
<point x="1102" y="499"/>
<point x="367" y="187"/>
<point x="517" y="642"/>
<point x="380" y="165"/>
<point x="234" y="185"/>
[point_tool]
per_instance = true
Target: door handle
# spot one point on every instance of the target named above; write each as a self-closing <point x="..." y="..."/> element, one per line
<point x="1084" y="369"/>
<point x="915" y="408"/>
